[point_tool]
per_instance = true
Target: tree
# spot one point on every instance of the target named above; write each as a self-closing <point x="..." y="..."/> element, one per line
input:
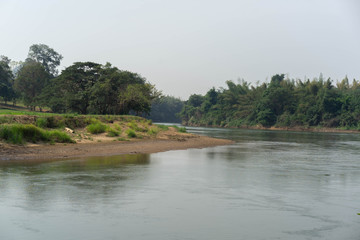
<point x="30" y="82"/>
<point x="138" y="98"/>
<point x="46" y="56"/>
<point x="87" y="87"/>
<point x="165" y="109"/>
<point x="75" y="83"/>
<point x="6" y="80"/>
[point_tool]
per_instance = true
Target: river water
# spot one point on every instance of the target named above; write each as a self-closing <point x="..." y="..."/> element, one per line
<point x="267" y="185"/>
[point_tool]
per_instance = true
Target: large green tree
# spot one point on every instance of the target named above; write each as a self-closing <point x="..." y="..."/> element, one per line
<point x="30" y="82"/>
<point x="46" y="56"/>
<point x="87" y="87"/>
<point x="6" y="80"/>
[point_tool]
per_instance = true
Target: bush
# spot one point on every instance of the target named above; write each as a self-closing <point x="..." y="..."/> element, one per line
<point x="153" y="131"/>
<point x="112" y="132"/>
<point x="60" y="137"/>
<point x="131" y="133"/>
<point x="41" y="122"/>
<point x="96" y="128"/>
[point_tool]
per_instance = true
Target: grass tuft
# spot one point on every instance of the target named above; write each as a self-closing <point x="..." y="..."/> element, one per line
<point x="112" y="132"/>
<point x="41" y="122"/>
<point x="162" y="127"/>
<point x="96" y="128"/>
<point x="180" y="129"/>
<point x="131" y="133"/>
<point x="19" y="134"/>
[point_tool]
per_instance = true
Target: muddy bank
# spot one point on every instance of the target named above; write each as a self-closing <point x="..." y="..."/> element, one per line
<point x="66" y="151"/>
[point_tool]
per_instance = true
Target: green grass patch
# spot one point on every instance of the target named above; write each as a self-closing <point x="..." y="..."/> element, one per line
<point x="112" y="132"/>
<point x="134" y="126"/>
<point x="122" y="139"/>
<point x="180" y="129"/>
<point x="41" y="122"/>
<point x="131" y="133"/>
<point x="19" y="134"/>
<point x="153" y="131"/>
<point x="58" y="136"/>
<point x="163" y="127"/>
<point x="96" y="128"/>
<point x="5" y="119"/>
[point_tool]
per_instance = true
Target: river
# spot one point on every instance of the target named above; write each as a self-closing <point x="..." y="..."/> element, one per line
<point x="267" y="185"/>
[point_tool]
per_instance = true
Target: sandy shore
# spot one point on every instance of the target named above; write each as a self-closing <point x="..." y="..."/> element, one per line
<point x="66" y="151"/>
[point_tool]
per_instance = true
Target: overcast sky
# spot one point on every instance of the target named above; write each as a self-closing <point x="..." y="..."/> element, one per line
<point x="189" y="46"/>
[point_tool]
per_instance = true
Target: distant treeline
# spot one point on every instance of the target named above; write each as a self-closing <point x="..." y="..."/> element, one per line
<point x="166" y="109"/>
<point x="84" y="87"/>
<point x="281" y="103"/>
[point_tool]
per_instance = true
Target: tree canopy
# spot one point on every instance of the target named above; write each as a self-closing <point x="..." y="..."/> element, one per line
<point x="6" y="80"/>
<point x="46" y="56"/>
<point x="87" y="87"/>
<point x="30" y="82"/>
<point x="282" y="102"/>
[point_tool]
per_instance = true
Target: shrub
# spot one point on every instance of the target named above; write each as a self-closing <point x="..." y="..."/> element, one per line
<point x="112" y="132"/>
<point x="41" y="122"/>
<point x="117" y="127"/>
<point x="60" y="137"/>
<point x="134" y="126"/>
<point x="153" y="131"/>
<point x="96" y="128"/>
<point x="131" y="133"/>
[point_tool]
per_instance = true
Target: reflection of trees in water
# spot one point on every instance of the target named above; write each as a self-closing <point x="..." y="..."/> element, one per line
<point x="77" y="181"/>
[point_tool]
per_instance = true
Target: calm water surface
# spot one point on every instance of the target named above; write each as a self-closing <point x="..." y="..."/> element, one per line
<point x="268" y="185"/>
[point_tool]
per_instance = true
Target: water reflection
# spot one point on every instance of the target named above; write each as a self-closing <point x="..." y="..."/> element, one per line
<point x="38" y="185"/>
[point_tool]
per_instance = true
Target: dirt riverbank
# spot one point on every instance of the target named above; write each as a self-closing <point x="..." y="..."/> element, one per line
<point x="106" y="148"/>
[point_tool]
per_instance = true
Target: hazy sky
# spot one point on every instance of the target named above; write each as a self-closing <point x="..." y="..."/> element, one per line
<point x="189" y="46"/>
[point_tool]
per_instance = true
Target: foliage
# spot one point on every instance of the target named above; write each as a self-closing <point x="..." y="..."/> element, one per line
<point x="96" y="128"/>
<point x="282" y="102"/>
<point x="179" y="129"/>
<point x="165" y="109"/>
<point x="87" y="87"/>
<point x="30" y="81"/>
<point x="162" y="127"/>
<point x="6" y="80"/>
<point x="82" y="88"/>
<point x="19" y="133"/>
<point x="41" y="122"/>
<point x="112" y="132"/>
<point x="46" y="56"/>
<point x="131" y="133"/>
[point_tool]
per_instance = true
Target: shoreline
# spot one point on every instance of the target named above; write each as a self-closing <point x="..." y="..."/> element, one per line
<point x="293" y="129"/>
<point x="41" y="152"/>
<point x="304" y="129"/>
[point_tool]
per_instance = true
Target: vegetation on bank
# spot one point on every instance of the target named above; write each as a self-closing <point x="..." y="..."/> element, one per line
<point x="166" y="109"/>
<point x="19" y="128"/>
<point x="82" y="88"/>
<point x="280" y="103"/>
<point x="21" y="133"/>
<point x="90" y="88"/>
